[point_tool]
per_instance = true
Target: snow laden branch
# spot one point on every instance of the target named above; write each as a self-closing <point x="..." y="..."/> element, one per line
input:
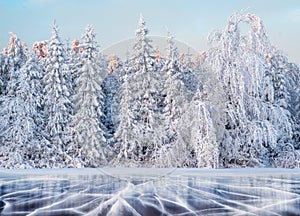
<point x="257" y="119"/>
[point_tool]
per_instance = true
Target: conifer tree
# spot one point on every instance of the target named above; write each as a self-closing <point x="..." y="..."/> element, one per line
<point x="89" y="143"/>
<point x="57" y="88"/>
<point x="16" y="55"/>
<point x="142" y="100"/>
<point x="174" y="94"/>
<point x="142" y="59"/>
<point x="23" y="122"/>
<point x="203" y="135"/>
<point x="126" y="130"/>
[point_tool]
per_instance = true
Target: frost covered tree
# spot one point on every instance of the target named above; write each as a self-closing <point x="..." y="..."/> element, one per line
<point x="15" y="128"/>
<point x="142" y="59"/>
<point x="174" y="101"/>
<point x="203" y="141"/>
<point x="23" y="141"/>
<point x="57" y="88"/>
<point x="174" y="90"/>
<point x="172" y="64"/>
<point x="12" y="136"/>
<point x="286" y="99"/>
<point x="277" y="63"/>
<point x="139" y="112"/>
<point x="75" y="61"/>
<point x="16" y="58"/>
<point x="277" y="81"/>
<point x="196" y="143"/>
<point x="89" y="143"/>
<point x="39" y="152"/>
<point x="11" y="103"/>
<point x="142" y="93"/>
<point x="253" y="125"/>
<point x="293" y="87"/>
<point x="124" y="143"/>
<point x="16" y="51"/>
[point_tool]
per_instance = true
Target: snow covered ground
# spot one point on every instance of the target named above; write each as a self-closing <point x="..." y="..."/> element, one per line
<point x="123" y="191"/>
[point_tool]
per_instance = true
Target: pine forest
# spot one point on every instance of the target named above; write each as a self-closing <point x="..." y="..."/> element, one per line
<point x="68" y="105"/>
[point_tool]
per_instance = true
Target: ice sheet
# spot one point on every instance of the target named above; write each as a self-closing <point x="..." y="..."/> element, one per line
<point x="124" y="191"/>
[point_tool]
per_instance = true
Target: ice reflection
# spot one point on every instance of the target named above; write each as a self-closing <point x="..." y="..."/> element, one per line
<point x="150" y="192"/>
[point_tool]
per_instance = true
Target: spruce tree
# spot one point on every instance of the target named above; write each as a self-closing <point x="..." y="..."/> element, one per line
<point x="23" y="122"/>
<point x="17" y="57"/>
<point x="142" y="97"/>
<point x="174" y="102"/>
<point x="89" y="143"/>
<point x="57" y="88"/>
<point x="142" y="59"/>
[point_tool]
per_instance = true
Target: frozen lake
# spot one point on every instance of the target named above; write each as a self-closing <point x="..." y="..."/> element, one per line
<point x="124" y="191"/>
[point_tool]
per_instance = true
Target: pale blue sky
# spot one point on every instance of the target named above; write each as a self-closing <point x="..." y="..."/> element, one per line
<point x="190" y="21"/>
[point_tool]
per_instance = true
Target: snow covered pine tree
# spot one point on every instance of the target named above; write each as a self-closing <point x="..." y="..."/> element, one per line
<point x="141" y="83"/>
<point x="88" y="144"/>
<point x="57" y="104"/>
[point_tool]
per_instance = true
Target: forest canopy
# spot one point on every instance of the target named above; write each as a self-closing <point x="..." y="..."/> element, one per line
<point x="68" y="105"/>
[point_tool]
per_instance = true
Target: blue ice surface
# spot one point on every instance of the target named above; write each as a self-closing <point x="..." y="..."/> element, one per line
<point x="150" y="191"/>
